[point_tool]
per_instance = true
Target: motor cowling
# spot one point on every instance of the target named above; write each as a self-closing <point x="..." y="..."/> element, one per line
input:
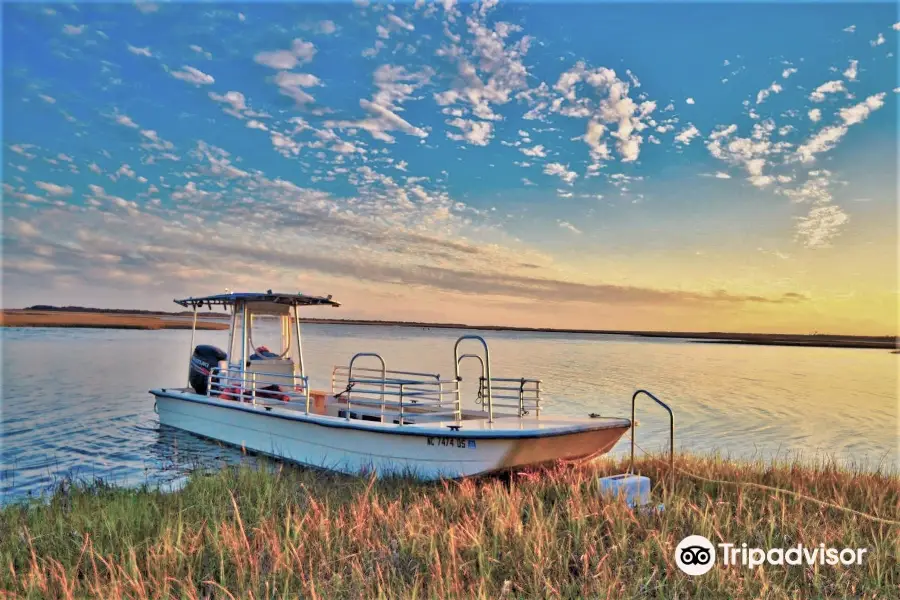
<point x="203" y="360"/>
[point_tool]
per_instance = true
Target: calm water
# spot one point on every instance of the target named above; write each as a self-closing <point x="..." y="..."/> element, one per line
<point x="75" y="401"/>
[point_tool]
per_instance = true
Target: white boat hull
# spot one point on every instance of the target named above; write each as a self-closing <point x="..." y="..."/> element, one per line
<point x="423" y="450"/>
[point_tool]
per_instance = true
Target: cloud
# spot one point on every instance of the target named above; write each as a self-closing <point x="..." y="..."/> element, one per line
<point x="23" y="228"/>
<point x="193" y="75"/>
<point x="200" y="50"/>
<point x="689" y="101"/>
<point x="527" y="182"/>
<point x="301" y="52"/>
<point x="292" y="84"/>
<point x="877" y="41"/>
<point x="815" y="115"/>
<point x="536" y="152"/>
<point x="140" y="51"/>
<point x="752" y="153"/>
<point x="53" y="189"/>
<point x="490" y="70"/>
<point x="569" y="226"/>
<point x="477" y="133"/>
<point x="687" y="134"/>
<point x="721" y="175"/>
<point x="820" y="225"/>
<point x="788" y="72"/>
<point x="852" y="71"/>
<point x="775" y="88"/>
<point x="561" y="171"/>
<point x="73" y="29"/>
<point x="326" y="27"/>
<point x="394" y="85"/>
<point x="126" y="121"/>
<point x="828" y="137"/>
<point x="236" y="100"/>
<point x="830" y="87"/>
<point x="850" y="29"/>
<point x="860" y="112"/>
<point x="608" y="104"/>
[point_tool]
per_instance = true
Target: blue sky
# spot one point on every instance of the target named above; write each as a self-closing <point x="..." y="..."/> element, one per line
<point x="537" y="163"/>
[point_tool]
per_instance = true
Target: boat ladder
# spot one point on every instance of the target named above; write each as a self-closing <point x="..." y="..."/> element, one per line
<point x="671" y="428"/>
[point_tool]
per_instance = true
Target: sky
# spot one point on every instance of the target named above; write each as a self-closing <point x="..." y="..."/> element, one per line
<point x="677" y="166"/>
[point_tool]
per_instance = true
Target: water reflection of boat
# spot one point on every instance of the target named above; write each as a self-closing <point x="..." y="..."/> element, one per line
<point x="373" y="418"/>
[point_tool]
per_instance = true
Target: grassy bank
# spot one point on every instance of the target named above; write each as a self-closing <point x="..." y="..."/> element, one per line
<point x="289" y="533"/>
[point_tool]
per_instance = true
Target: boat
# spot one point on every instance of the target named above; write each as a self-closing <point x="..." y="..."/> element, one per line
<point x="373" y="419"/>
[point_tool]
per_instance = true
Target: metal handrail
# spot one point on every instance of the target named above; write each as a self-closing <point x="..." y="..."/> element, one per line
<point x="486" y="372"/>
<point x="671" y="429"/>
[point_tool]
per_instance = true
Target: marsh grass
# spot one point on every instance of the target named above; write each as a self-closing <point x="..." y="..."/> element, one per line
<point x="287" y="532"/>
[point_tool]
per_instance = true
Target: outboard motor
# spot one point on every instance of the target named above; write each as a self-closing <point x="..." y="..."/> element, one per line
<point x="204" y="359"/>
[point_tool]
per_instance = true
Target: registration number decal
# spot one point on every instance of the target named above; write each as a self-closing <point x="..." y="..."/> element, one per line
<point x="450" y="441"/>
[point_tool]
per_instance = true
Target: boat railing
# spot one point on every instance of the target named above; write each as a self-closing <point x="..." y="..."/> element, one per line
<point x="258" y="387"/>
<point x="340" y="377"/>
<point x="522" y="394"/>
<point x="397" y="398"/>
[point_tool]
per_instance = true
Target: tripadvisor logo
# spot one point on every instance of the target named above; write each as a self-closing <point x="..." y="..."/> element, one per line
<point x="695" y="555"/>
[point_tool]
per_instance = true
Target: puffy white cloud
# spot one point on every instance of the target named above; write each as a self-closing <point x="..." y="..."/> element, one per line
<point x="53" y="189"/>
<point x="775" y="88"/>
<point x="234" y="99"/>
<point x="815" y="115"/>
<point x="788" y="72"/>
<point x="301" y="52"/>
<point x="477" y="133"/>
<point x="193" y="75"/>
<point x="877" y="41"/>
<point x="562" y="171"/>
<point x="292" y="84"/>
<point x="490" y="70"/>
<point x="829" y="87"/>
<point x="860" y="112"/>
<point x="608" y="105"/>
<point x="828" y="137"/>
<point x="537" y="151"/>
<point x="852" y="70"/>
<point x="850" y="28"/>
<point x="689" y="101"/>
<point x="687" y="134"/>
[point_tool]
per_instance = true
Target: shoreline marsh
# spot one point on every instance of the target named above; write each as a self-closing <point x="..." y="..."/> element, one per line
<point x="287" y="532"/>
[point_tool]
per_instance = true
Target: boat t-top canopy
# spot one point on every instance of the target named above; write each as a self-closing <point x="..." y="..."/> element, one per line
<point x="268" y="296"/>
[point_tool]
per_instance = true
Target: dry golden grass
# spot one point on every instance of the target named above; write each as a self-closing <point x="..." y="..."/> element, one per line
<point x="285" y="532"/>
<point x="36" y="318"/>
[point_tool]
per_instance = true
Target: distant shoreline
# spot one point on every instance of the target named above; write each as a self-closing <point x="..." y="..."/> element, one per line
<point x="46" y="316"/>
<point x="101" y="320"/>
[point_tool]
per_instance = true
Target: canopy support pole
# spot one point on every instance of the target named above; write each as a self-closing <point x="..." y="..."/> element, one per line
<point x="191" y="347"/>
